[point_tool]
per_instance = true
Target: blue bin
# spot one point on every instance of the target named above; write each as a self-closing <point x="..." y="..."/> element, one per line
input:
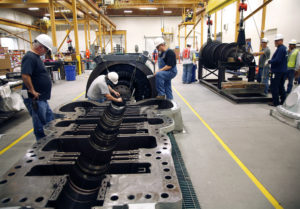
<point x="70" y="72"/>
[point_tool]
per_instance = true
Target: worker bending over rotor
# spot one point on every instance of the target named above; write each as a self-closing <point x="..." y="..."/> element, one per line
<point x="101" y="88"/>
<point x="167" y="69"/>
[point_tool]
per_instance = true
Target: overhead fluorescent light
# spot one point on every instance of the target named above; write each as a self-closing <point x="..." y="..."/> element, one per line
<point x="33" y="8"/>
<point x="148" y="8"/>
<point x="127" y="11"/>
<point x="167" y="12"/>
<point x="47" y="15"/>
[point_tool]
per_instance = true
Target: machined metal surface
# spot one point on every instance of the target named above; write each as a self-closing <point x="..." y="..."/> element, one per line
<point x="220" y="58"/>
<point x="289" y="112"/>
<point x="140" y="170"/>
<point x="214" y="52"/>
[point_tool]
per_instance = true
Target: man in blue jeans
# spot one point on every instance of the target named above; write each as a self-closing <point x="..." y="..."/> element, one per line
<point x="37" y="84"/>
<point x="264" y="55"/>
<point x="167" y="70"/>
<point x="187" y="61"/>
<point x="278" y="69"/>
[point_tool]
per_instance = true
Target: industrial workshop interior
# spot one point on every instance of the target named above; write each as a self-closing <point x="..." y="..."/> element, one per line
<point x="149" y="104"/>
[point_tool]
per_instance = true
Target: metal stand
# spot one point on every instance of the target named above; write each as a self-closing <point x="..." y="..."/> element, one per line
<point x="236" y="95"/>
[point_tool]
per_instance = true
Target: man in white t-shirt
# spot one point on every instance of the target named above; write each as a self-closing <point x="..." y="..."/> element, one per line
<point x="100" y="90"/>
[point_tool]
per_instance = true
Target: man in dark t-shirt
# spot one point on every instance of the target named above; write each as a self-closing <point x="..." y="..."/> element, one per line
<point x="37" y="84"/>
<point x="167" y="69"/>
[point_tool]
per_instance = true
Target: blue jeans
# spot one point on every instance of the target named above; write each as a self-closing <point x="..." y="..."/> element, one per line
<point x="290" y="76"/>
<point x="187" y="73"/>
<point x="265" y="76"/>
<point x="163" y="83"/>
<point x="99" y="100"/>
<point x="277" y="88"/>
<point x="40" y="117"/>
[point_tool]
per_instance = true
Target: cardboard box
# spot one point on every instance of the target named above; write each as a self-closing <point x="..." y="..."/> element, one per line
<point x="68" y="58"/>
<point x="4" y="71"/>
<point x="73" y="57"/>
<point x="3" y="50"/>
<point x="5" y="61"/>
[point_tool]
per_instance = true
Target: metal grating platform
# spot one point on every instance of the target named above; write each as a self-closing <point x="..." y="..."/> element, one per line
<point x="190" y="199"/>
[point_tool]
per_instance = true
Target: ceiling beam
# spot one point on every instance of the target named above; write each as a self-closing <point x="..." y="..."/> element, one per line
<point x="12" y="34"/>
<point x="116" y="32"/>
<point x="137" y="6"/>
<point x="68" y="5"/>
<point x="157" y="4"/>
<point x="21" y="4"/>
<point x="105" y="19"/>
<point x="86" y="5"/>
<point x="65" y="22"/>
<point x="16" y="24"/>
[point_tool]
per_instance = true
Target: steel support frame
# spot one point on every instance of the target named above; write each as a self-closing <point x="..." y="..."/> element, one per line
<point x="68" y="32"/>
<point x="263" y="21"/>
<point x="215" y="33"/>
<point x="29" y="41"/>
<point x="53" y="26"/>
<point x="75" y="25"/>
<point x="237" y="19"/>
<point x="111" y="41"/>
<point x="12" y="23"/>
<point x="202" y="25"/>
<point x="100" y="34"/>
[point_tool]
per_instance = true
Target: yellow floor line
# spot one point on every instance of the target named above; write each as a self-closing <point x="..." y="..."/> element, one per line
<point x="265" y="192"/>
<point x="16" y="141"/>
<point x="29" y="132"/>
<point x="80" y="95"/>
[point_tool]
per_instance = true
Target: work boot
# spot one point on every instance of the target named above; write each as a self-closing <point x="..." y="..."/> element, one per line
<point x="161" y="97"/>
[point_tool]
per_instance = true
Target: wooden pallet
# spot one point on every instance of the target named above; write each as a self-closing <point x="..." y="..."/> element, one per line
<point x="242" y="85"/>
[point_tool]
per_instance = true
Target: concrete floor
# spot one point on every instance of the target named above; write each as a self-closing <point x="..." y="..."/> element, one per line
<point x="267" y="147"/>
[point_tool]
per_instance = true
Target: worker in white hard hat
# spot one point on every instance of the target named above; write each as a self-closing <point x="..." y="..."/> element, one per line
<point x="278" y="70"/>
<point x="167" y="69"/>
<point x="101" y="89"/>
<point x="293" y="64"/>
<point x="187" y="61"/>
<point x="37" y="84"/>
<point x="263" y="69"/>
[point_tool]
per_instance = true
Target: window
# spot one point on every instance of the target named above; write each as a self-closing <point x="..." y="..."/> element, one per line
<point x="11" y="43"/>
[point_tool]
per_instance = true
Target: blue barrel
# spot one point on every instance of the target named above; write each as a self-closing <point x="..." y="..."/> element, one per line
<point x="70" y="72"/>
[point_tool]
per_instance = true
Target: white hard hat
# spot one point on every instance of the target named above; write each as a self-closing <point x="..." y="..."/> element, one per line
<point x="188" y="44"/>
<point x="158" y="41"/>
<point x="45" y="40"/>
<point x="293" y="42"/>
<point x="113" y="77"/>
<point x="278" y="37"/>
<point x="264" y="40"/>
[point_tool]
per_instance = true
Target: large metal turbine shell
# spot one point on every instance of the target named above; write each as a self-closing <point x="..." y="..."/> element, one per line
<point x="125" y="66"/>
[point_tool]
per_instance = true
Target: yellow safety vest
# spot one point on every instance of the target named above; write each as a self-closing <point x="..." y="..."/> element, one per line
<point x="292" y="59"/>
